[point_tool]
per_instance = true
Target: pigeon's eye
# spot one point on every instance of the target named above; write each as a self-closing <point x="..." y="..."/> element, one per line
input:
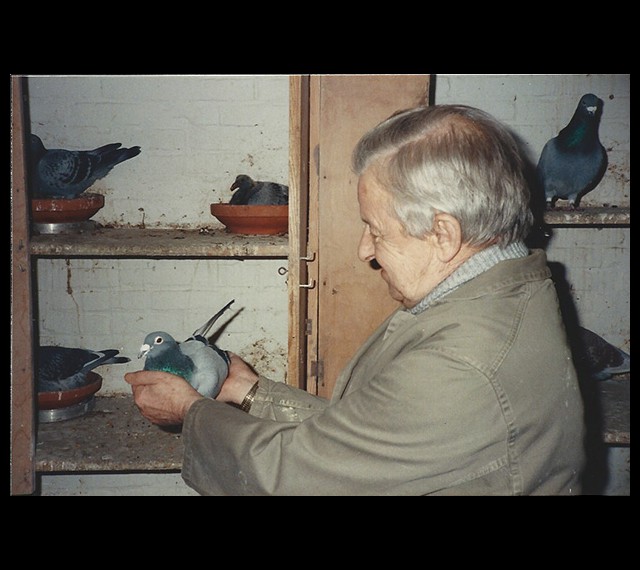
<point x="158" y="340"/>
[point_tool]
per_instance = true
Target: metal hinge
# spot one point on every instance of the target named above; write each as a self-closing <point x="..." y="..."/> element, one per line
<point x="317" y="369"/>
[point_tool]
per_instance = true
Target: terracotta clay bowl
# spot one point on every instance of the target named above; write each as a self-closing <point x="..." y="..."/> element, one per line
<point x="61" y="210"/>
<point x="66" y="398"/>
<point x="257" y="220"/>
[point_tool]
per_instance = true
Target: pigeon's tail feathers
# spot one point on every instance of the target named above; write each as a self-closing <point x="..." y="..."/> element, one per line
<point x="622" y="366"/>
<point x="111" y="357"/>
<point x="117" y="155"/>
<point x="204" y="329"/>
<point x="598" y="358"/>
<point x="106" y="149"/>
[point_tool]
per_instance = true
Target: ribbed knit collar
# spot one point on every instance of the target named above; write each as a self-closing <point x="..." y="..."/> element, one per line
<point x="474" y="266"/>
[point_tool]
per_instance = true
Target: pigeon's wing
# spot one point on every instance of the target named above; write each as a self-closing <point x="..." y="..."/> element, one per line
<point x="270" y="194"/>
<point x="555" y="178"/>
<point x="211" y="366"/>
<point x="65" y="368"/>
<point x="109" y="156"/>
<point x="57" y="362"/>
<point x="68" y="173"/>
<point x="58" y="169"/>
<point x="204" y="329"/>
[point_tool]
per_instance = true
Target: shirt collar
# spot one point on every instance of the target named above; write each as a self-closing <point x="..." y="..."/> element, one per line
<point x="474" y="266"/>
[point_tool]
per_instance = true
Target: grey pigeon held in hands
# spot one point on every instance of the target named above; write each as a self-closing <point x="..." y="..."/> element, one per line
<point x="597" y="358"/>
<point x="199" y="362"/>
<point x="60" y="173"/>
<point x="254" y="193"/>
<point x="573" y="163"/>
<point x="63" y="368"/>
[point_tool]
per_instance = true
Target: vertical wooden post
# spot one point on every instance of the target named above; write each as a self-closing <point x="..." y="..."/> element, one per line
<point x="298" y="214"/>
<point x="22" y="389"/>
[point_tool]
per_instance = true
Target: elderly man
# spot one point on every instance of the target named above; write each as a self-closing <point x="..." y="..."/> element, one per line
<point x="468" y="388"/>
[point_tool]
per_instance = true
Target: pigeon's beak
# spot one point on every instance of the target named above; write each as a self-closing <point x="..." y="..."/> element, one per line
<point x="233" y="187"/>
<point x="592" y="110"/>
<point x="144" y="350"/>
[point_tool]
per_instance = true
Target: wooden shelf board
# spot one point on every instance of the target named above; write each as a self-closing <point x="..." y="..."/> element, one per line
<point x="615" y="401"/>
<point x="588" y="216"/>
<point x="139" y="242"/>
<point x="114" y="437"/>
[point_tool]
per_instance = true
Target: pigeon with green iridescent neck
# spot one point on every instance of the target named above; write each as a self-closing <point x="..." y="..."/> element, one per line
<point x="574" y="162"/>
<point x="199" y="362"/>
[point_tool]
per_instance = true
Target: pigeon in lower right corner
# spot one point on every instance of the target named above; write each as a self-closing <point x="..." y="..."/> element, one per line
<point x="61" y="173"/>
<point x="574" y="162"/>
<point x="597" y="358"/>
<point x="62" y="368"/>
<point x="252" y="192"/>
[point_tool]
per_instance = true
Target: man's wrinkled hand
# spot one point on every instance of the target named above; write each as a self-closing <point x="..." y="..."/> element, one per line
<point x="161" y="397"/>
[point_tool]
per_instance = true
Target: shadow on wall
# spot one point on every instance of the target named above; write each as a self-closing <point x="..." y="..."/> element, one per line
<point x="596" y="475"/>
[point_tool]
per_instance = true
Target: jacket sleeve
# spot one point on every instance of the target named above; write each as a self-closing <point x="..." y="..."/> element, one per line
<point x="371" y="441"/>
<point x="283" y="403"/>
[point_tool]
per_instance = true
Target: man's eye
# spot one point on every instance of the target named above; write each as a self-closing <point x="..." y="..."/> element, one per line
<point x="374" y="234"/>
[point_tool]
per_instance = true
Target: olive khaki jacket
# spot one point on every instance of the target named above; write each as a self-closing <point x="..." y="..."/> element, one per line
<point x="475" y="395"/>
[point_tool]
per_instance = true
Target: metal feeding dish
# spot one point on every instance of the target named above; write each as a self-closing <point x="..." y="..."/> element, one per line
<point x="70" y="412"/>
<point x="67" y="404"/>
<point x="59" y="215"/>
<point x="65" y="228"/>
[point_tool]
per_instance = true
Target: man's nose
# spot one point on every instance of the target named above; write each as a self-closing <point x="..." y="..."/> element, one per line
<point x="365" y="247"/>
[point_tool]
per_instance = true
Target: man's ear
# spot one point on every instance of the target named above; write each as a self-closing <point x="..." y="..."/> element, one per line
<point x="448" y="236"/>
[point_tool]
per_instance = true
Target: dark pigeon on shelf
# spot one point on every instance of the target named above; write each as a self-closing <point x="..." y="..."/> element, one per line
<point x="63" y="368"/>
<point x="251" y="192"/>
<point x="574" y="162"/>
<point x="60" y="173"/>
<point x="597" y="358"/>
<point x="199" y="362"/>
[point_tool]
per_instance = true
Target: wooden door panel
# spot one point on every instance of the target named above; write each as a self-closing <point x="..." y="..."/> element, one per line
<point x="352" y="299"/>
